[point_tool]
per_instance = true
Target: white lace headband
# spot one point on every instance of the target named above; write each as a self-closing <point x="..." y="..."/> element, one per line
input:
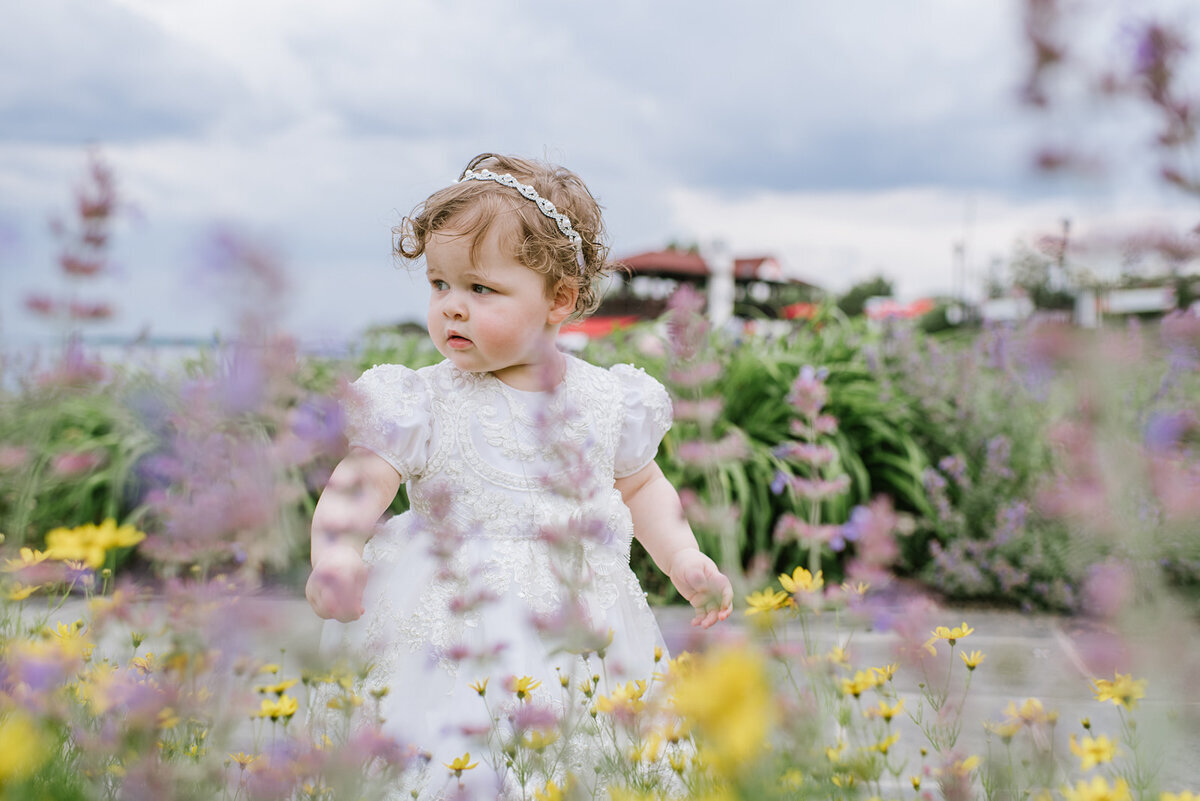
<point x="544" y="206"/>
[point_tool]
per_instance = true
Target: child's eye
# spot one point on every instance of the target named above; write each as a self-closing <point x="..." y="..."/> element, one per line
<point x="480" y="289"/>
<point x="438" y="284"/>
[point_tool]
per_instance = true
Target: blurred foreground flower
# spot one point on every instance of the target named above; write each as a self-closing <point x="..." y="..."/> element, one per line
<point x="90" y="543"/>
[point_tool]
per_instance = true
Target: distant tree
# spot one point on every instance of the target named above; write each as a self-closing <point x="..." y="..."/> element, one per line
<point x="854" y="300"/>
<point x="1033" y="271"/>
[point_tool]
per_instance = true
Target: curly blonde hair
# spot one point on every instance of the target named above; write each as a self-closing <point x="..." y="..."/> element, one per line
<point x="471" y="207"/>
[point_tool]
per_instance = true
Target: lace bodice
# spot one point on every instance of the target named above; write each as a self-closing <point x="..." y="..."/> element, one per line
<point x="499" y="468"/>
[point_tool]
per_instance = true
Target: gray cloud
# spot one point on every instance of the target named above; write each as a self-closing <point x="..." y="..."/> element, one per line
<point x="84" y="72"/>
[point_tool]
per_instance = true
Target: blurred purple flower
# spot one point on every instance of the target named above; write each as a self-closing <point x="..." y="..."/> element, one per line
<point x="808" y="393"/>
<point x="1166" y="431"/>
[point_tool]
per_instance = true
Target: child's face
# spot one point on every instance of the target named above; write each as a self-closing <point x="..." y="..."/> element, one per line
<point x="492" y="315"/>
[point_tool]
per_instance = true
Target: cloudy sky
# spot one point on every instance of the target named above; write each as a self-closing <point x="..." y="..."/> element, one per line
<point x="847" y="139"/>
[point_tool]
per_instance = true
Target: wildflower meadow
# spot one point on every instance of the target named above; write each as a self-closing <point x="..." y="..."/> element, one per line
<point x="966" y="562"/>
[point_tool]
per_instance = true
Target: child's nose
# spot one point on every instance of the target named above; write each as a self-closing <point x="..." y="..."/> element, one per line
<point x="455" y="306"/>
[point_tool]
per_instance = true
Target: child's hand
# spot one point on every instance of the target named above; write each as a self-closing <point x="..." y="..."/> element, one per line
<point x="704" y="586"/>
<point x="335" y="588"/>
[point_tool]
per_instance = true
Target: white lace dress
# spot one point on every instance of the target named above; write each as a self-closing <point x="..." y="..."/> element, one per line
<point x="515" y="536"/>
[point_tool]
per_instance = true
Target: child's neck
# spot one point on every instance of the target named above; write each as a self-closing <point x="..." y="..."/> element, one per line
<point x="540" y="376"/>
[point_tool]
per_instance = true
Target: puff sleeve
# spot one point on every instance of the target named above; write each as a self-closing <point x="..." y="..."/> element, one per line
<point x="387" y="411"/>
<point x="647" y="417"/>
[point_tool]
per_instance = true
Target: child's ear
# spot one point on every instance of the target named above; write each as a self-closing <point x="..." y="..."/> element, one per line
<point x="563" y="302"/>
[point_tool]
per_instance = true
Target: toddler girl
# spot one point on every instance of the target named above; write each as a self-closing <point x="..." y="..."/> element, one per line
<point x="528" y="472"/>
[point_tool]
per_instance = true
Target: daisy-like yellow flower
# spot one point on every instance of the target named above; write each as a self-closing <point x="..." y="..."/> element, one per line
<point x="959" y="767"/>
<point x="552" y="792"/>
<point x="834" y="753"/>
<point x="792" y="779"/>
<point x="1031" y="713"/>
<point x="539" y="739"/>
<point x="284" y="707"/>
<point x="90" y="543"/>
<point x="1093" y="751"/>
<point x="949" y="635"/>
<point x="24" y="748"/>
<point x="1123" y="690"/>
<point x="26" y="557"/>
<point x="884" y="711"/>
<point x="765" y="601"/>
<point x="676" y="668"/>
<point x="278" y="688"/>
<point x="626" y="697"/>
<point x="271" y="668"/>
<point x="973" y="659"/>
<point x="460" y="764"/>
<point x="886" y="743"/>
<point x="884" y="674"/>
<point x="243" y="759"/>
<point x="1098" y="789"/>
<point x="523" y="686"/>
<point x="838" y="656"/>
<point x="862" y="681"/>
<point x="19" y="591"/>
<point x="678" y="762"/>
<point x="801" y="580"/>
<point x="858" y="588"/>
<point x="480" y="687"/>
<point x="1006" y="730"/>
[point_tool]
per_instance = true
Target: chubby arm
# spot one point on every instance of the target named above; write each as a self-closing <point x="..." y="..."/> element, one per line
<point x="660" y="526"/>
<point x="359" y="490"/>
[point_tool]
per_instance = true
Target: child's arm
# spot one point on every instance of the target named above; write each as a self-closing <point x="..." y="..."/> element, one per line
<point x="359" y="490"/>
<point x="660" y="526"/>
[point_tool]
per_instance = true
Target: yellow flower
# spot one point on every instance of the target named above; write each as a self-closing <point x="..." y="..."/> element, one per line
<point x="90" y="543"/>
<point x="765" y="601"/>
<point x="552" y="793"/>
<point x="883" y="745"/>
<point x="884" y="711"/>
<point x="144" y="664"/>
<point x="677" y="761"/>
<point x="243" y="759"/>
<point x="537" y="739"/>
<point x="859" y="588"/>
<point x="279" y="688"/>
<point x="1186" y="795"/>
<point x="862" y="681"/>
<point x="1006" y="729"/>
<point x="1123" y="690"/>
<point x="480" y="687"/>
<point x="1030" y="713"/>
<point x="284" y="707"/>
<point x="959" y="767"/>
<point x="626" y="697"/>
<point x="167" y="719"/>
<point x="792" y="779"/>
<point x="838" y="656"/>
<point x="23" y="747"/>
<point x="340" y="702"/>
<point x="19" y="591"/>
<point x="884" y="674"/>
<point x="835" y="754"/>
<point x="727" y="698"/>
<point x="1097" y="790"/>
<point x="28" y="557"/>
<point x="271" y="668"/>
<point x="802" y="580"/>
<point x="461" y="763"/>
<point x="523" y="686"/>
<point x="973" y="659"/>
<point x="916" y="782"/>
<point x="1093" y="751"/>
<point x="949" y="635"/>
<point x="658" y="654"/>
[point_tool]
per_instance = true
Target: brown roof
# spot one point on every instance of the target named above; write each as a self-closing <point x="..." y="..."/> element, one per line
<point x="667" y="262"/>
<point x="687" y="263"/>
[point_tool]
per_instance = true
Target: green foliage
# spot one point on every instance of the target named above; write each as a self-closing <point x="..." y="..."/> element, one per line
<point x="71" y="458"/>
<point x="854" y="300"/>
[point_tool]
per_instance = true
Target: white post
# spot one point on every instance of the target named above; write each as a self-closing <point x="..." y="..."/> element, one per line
<point x="720" y="283"/>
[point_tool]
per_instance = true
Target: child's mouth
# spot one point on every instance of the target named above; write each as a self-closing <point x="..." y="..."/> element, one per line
<point x="457" y="342"/>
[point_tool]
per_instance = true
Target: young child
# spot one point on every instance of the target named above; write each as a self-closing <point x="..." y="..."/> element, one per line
<point x="528" y="472"/>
